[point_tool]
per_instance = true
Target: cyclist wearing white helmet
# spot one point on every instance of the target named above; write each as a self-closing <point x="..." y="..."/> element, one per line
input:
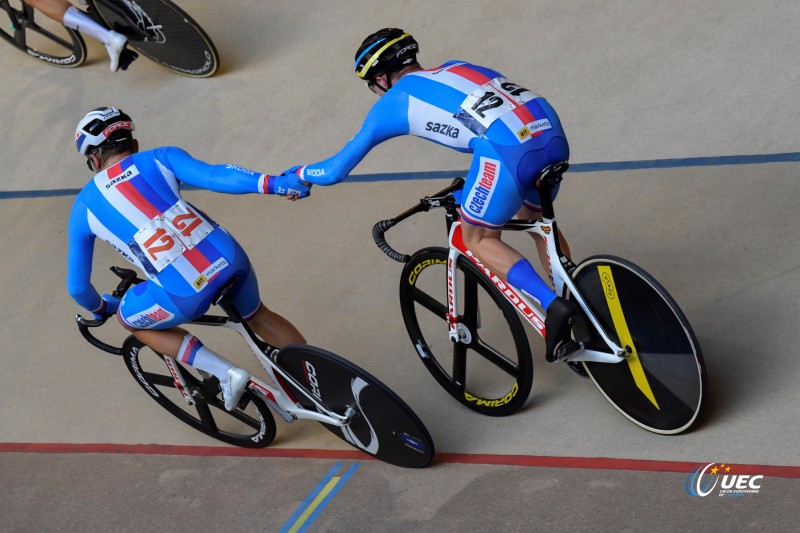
<point x="133" y="202"/>
<point x="511" y="132"/>
<point x="65" y="13"/>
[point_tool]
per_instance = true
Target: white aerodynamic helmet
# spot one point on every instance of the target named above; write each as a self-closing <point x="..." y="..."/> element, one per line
<point x="103" y="127"/>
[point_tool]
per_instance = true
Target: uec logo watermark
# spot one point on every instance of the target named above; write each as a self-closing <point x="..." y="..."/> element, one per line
<point x="703" y="481"/>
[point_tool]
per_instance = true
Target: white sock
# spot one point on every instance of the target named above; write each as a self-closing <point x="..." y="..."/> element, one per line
<point x="80" y="21"/>
<point x="193" y="353"/>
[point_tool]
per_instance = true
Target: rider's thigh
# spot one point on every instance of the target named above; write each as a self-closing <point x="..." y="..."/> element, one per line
<point x="491" y="195"/>
<point x="148" y="306"/>
<point x="553" y="149"/>
<point x="529" y="212"/>
<point x="246" y="296"/>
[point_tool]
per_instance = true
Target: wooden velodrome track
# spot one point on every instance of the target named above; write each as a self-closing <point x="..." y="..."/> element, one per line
<point x="683" y="125"/>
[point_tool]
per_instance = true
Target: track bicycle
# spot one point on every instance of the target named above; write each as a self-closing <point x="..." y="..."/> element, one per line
<point x="631" y="338"/>
<point x="308" y="383"/>
<point x="157" y="29"/>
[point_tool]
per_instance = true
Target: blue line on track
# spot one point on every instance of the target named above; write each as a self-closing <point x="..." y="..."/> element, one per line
<point x="330" y="496"/>
<point x="789" y="157"/>
<point x="300" y="520"/>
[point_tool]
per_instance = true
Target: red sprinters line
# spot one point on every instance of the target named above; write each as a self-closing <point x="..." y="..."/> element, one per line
<point x="540" y="461"/>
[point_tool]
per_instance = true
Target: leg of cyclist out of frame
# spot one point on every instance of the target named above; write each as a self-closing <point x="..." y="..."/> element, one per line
<point x="529" y="214"/>
<point x="274" y="328"/>
<point x="64" y="12"/>
<point x="54" y="9"/>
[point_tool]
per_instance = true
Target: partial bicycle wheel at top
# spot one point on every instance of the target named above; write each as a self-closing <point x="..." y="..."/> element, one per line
<point x="162" y="32"/>
<point x="662" y="386"/>
<point x="490" y="369"/>
<point x="251" y="425"/>
<point x="39" y="36"/>
<point x="382" y="424"/>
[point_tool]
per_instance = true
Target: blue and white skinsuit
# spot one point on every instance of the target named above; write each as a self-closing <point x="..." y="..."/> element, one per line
<point x="136" y="207"/>
<point x="512" y="132"/>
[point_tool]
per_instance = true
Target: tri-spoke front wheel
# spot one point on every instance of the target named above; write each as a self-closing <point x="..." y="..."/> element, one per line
<point x="251" y="425"/>
<point x="490" y="368"/>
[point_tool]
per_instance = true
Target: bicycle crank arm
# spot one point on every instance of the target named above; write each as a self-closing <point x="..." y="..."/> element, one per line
<point x="593" y="356"/>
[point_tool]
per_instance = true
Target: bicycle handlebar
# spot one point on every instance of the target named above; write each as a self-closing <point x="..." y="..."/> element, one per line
<point x="83" y="327"/>
<point x="440" y="199"/>
<point x="378" y="231"/>
<point x="128" y="278"/>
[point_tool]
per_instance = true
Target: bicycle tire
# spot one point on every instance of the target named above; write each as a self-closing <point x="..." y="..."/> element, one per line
<point x="251" y="425"/>
<point x="162" y="32"/>
<point x="52" y="43"/>
<point x="491" y="373"/>
<point x="384" y="427"/>
<point x="672" y="384"/>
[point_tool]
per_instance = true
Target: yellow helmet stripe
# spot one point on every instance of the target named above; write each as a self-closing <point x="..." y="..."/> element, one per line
<point x="377" y="54"/>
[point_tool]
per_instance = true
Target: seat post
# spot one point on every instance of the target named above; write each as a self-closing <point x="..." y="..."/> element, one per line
<point x="548" y="178"/>
<point x="226" y="304"/>
<point x="546" y="201"/>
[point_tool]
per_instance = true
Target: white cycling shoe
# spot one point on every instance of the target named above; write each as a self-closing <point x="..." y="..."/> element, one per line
<point x="115" y="46"/>
<point x="233" y="389"/>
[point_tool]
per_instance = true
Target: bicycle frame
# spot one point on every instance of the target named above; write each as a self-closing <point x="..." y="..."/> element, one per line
<point x="280" y="399"/>
<point x="23" y="19"/>
<point x="531" y="312"/>
<point x="18" y="20"/>
<point x="559" y="263"/>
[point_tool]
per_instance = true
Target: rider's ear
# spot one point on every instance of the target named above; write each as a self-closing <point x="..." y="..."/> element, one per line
<point x="93" y="162"/>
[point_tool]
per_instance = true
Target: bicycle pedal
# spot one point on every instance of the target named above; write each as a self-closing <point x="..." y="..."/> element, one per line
<point x="126" y="58"/>
<point x="566" y="349"/>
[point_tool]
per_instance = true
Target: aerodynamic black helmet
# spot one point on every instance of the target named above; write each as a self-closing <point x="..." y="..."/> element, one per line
<point x="386" y="50"/>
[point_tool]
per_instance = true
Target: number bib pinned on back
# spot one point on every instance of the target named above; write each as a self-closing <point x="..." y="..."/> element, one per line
<point x="164" y="238"/>
<point x="491" y="101"/>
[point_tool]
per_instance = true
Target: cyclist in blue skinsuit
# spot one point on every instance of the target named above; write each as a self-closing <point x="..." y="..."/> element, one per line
<point x="134" y="204"/>
<point x="512" y="133"/>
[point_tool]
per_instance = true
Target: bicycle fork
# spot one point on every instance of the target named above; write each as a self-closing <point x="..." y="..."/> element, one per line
<point x="178" y="381"/>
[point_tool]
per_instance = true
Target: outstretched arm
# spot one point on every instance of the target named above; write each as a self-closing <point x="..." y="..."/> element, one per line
<point x="225" y="178"/>
<point x="388" y="118"/>
<point x="231" y="179"/>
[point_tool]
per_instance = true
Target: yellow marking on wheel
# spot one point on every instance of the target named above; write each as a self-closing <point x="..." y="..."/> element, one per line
<point x="615" y="307"/>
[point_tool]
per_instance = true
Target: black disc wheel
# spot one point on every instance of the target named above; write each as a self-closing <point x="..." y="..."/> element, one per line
<point x="490" y="368"/>
<point x="162" y="32"/>
<point x="382" y="425"/>
<point x="251" y="425"/>
<point x="662" y="385"/>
